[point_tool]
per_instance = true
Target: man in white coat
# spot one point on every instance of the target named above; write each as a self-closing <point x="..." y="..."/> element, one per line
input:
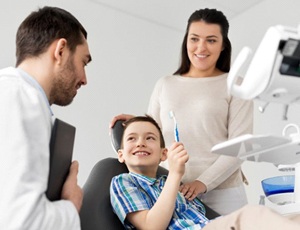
<point x="51" y="52"/>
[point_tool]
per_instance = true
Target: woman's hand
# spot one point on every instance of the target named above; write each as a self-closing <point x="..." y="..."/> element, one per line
<point x="192" y="189"/>
<point x="122" y="116"/>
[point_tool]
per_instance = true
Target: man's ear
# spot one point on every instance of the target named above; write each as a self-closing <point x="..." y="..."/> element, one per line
<point x="164" y="155"/>
<point x="120" y="156"/>
<point x="60" y="49"/>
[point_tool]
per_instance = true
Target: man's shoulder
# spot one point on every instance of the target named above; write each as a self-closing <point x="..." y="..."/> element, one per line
<point x="13" y="83"/>
<point x="9" y="73"/>
<point x="8" y="70"/>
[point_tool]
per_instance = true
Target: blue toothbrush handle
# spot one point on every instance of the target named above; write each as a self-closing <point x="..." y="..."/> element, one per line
<point x="176" y="134"/>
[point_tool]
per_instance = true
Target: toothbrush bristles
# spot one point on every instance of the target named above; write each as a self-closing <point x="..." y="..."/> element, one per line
<point x="172" y="116"/>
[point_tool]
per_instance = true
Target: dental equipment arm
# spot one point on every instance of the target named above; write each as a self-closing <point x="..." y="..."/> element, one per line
<point x="272" y="76"/>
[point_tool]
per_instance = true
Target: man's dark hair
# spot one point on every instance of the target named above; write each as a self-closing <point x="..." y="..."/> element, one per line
<point x="37" y="32"/>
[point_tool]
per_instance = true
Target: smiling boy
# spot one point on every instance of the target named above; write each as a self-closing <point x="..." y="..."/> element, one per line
<point x="143" y="200"/>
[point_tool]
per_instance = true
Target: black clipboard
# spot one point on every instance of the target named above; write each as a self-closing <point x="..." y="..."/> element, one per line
<point x="61" y="153"/>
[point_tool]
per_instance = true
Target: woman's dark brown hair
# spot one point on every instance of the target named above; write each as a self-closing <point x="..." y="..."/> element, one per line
<point x="211" y="16"/>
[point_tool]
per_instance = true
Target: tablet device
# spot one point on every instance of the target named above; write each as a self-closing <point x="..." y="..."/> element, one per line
<point x="61" y="152"/>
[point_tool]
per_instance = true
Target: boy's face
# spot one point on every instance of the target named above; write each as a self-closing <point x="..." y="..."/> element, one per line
<point x="141" y="150"/>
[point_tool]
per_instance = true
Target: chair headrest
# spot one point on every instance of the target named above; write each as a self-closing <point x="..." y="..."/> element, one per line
<point x="117" y="134"/>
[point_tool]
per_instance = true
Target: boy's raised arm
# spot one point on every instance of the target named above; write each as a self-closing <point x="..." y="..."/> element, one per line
<point x="159" y="216"/>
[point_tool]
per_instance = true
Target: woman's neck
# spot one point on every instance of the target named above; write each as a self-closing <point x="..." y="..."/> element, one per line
<point x="195" y="73"/>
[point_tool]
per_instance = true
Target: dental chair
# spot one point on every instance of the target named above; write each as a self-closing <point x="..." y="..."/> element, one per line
<point x="96" y="212"/>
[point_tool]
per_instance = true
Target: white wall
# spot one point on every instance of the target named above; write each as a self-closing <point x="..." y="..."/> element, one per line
<point x="247" y="30"/>
<point x="129" y="55"/>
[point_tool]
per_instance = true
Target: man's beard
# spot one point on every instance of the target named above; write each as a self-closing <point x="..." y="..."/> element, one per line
<point x="64" y="85"/>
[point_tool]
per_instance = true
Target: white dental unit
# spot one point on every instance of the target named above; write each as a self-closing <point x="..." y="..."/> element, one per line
<point x="272" y="75"/>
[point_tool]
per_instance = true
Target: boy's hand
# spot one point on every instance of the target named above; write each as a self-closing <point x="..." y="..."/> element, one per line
<point x="177" y="157"/>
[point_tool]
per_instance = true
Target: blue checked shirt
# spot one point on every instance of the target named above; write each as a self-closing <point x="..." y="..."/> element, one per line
<point x="131" y="192"/>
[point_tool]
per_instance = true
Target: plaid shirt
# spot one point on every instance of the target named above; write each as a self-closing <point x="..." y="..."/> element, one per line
<point x="131" y="192"/>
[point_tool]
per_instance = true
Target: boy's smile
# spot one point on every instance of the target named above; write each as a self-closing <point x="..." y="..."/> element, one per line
<point x="141" y="153"/>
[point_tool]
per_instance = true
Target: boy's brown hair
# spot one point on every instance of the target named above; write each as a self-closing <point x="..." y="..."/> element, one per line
<point x="145" y="118"/>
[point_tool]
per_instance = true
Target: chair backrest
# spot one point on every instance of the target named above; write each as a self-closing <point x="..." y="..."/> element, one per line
<point x="96" y="212"/>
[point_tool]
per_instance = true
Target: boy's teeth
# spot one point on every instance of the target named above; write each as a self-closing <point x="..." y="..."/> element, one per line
<point x="142" y="153"/>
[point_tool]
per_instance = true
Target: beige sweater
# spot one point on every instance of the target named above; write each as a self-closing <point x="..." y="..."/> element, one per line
<point x="206" y="115"/>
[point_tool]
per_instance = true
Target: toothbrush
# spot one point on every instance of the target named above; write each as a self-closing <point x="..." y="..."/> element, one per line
<point x="176" y="135"/>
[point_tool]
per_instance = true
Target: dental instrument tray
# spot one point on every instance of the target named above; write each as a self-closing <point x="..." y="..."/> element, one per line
<point x="261" y="148"/>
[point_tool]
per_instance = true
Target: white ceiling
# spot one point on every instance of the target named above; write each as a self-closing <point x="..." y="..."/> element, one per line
<point x="166" y="13"/>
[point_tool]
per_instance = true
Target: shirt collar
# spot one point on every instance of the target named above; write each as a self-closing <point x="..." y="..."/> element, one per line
<point x="145" y="179"/>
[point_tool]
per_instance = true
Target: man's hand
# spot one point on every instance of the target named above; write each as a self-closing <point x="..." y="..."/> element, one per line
<point x="71" y="191"/>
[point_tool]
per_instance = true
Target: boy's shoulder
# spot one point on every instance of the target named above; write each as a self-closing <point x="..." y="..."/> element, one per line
<point x="124" y="178"/>
<point x="136" y="179"/>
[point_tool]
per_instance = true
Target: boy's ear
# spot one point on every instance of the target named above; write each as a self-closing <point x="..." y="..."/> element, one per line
<point x="120" y="156"/>
<point x="164" y="155"/>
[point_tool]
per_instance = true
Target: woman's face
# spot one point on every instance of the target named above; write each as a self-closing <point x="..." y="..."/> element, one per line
<point x="204" y="45"/>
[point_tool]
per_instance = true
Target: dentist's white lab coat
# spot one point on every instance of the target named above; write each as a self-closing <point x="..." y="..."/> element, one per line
<point x="25" y="129"/>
